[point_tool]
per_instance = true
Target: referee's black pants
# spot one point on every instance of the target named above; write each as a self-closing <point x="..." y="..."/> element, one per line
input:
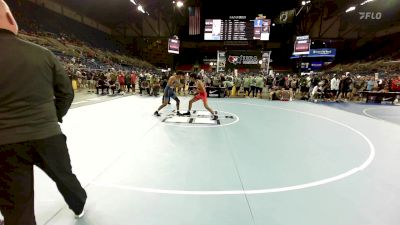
<point x="16" y="177"/>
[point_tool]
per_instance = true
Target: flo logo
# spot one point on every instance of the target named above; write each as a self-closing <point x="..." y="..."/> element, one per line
<point x="370" y="15"/>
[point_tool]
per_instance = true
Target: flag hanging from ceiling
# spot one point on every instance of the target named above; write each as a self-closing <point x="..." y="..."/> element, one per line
<point x="194" y="20"/>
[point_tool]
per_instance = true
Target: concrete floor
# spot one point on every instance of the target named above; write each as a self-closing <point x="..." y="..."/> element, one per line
<point x="281" y="163"/>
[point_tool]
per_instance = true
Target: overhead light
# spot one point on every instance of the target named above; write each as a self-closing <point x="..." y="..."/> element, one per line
<point x="351" y="9"/>
<point x="308" y="2"/>
<point x="140" y="8"/>
<point x="303" y="3"/>
<point x="179" y="4"/>
<point x="273" y="24"/>
<point x="366" y="1"/>
<point x="133" y="1"/>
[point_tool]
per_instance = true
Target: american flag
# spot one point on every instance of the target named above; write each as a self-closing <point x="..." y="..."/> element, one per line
<point x="194" y="20"/>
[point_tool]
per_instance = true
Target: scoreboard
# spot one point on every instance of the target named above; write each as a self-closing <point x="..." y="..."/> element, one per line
<point x="237" y="29"/>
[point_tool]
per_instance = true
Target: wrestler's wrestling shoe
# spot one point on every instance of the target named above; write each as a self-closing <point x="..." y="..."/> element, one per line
<point x="80" y="215"/>
<point x="186" y="113"/>
<point x="156" y="113"/>
<point x="215" y="117"/>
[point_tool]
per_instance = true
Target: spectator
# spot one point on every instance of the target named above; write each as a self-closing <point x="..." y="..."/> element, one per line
<point x="253" y="85"/>
<point x="128" y="82"/>
<point x="238" y="83"/>
<point x="121" y="82"/>
<point x="133" y="81"/>
<point x="156" y="87"/>
<point x="370" y="84"/>
<point x="335" y="85"/>
<point x="144" y="85"/>
<point x="246" y="85"/>
<point x="259" y="85"/>
<point x="102" y="84"/>
<point x="228" y="85"/>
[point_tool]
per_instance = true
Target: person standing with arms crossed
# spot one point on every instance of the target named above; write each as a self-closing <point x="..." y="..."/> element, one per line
<point x="30" y="133"/>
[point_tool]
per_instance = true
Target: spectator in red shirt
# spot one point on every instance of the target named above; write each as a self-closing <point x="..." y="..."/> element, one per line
<point x="121" y="80"/>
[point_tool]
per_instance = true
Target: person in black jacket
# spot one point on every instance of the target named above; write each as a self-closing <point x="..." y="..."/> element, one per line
<point x="30" y="133"/>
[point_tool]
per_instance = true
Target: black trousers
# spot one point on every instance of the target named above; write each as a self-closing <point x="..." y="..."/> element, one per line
<point x="16" y="177"/>
<point x="253" y="89"/>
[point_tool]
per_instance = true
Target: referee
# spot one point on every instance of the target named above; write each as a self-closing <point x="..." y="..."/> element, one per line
<point x="35" y="95"/>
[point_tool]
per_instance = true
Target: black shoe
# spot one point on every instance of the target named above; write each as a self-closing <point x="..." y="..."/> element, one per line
<point x="186" y="114"/>
<point x="80" y="215"/>
<point x="215" y="117"/>
<point x="156" y="113"/>
<point x="179" y="114"/>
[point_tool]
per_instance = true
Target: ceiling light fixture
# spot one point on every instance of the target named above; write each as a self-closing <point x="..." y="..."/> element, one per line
<point x="179" y="4"/>
<point x="351" y="9"/>
<point x="140" y="8"/>
<point x="366" y="1"/>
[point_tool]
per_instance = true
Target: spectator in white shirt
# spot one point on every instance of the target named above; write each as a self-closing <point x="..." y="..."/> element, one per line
<point x="335" y="85"/>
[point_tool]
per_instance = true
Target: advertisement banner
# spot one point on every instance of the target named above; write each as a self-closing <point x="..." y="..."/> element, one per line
<point x="221" y="61"/>
<point x="302" y="45"/>
<point x="323" y="52"/>
<point x="173" y="46"/>
<point x="266" y="59"/>
<point x="317" y="65"/>
<point x="262" y="29"/>
<point x="243" y="59"/>
<point x="319" y="52"/>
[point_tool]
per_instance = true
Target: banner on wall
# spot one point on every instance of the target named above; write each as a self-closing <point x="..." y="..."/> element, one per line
<point x="243" y="59"/>
<point x="221" y="61"/>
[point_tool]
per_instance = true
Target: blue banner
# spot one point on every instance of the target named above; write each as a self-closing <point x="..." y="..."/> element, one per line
<point x="319" y="52"/>
<point x="317" y="65"/>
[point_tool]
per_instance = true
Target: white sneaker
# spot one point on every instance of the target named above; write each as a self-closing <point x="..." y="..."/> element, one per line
<point x="80" y="215"/>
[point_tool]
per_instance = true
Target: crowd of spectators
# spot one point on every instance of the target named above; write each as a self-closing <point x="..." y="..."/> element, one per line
<point x="314" y="87"/>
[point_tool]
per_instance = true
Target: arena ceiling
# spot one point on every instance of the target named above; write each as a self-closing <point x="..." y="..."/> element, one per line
<point x="113" y="12"/>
